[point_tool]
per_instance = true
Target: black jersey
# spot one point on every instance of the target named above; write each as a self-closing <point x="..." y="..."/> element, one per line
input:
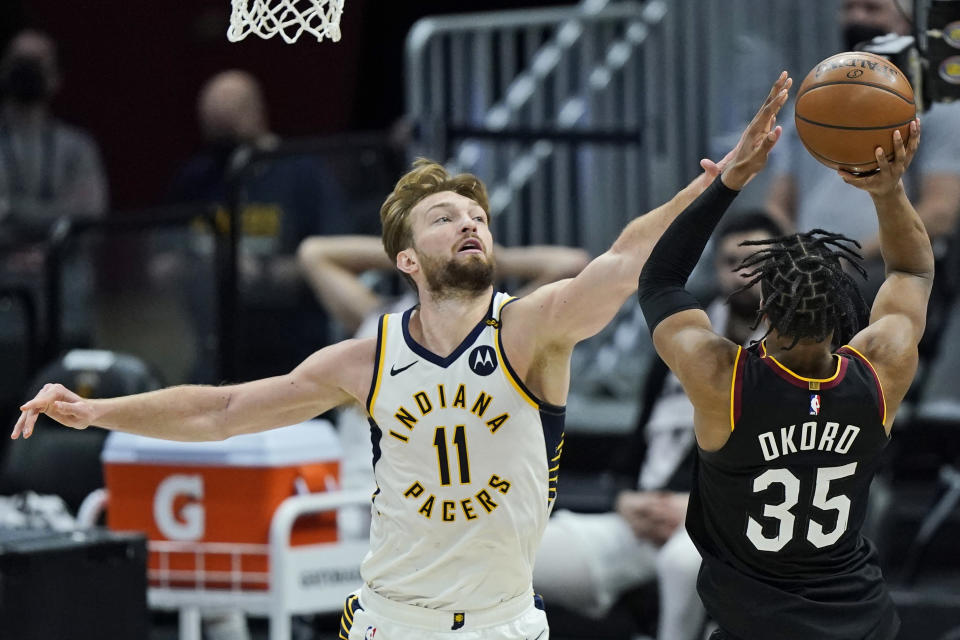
<point x="776" y="512"/>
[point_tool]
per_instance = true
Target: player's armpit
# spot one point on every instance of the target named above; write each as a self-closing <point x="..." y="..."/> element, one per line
<point x="897" y="321"/>
<point x="890" y="346"/>
<point x="906" y="295"/>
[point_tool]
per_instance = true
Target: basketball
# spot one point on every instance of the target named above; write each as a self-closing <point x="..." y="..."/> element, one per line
<point x="850" y="104"/>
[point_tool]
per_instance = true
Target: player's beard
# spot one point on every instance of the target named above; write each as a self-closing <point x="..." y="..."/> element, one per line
<point x="458" y="277"/>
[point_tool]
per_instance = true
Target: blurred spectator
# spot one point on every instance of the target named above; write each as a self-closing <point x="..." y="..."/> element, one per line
<point x="335" y="267"/>
<point x="48" y="170"/>
<point x="807" y="194"/>
<point x="342" y="272"/>
<point x="281" y="200"/>
<point x="587" y="561"/>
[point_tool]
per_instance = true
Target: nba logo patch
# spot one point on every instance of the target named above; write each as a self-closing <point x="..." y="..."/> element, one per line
<point x="814" y="404"/>
<point x="370" y="633"/>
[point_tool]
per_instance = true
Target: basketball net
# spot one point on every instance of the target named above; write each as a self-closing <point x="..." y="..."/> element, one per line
<point x="289" y="18"/>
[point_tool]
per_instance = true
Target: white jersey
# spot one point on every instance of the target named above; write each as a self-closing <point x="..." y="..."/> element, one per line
<point x="466" y="463"/>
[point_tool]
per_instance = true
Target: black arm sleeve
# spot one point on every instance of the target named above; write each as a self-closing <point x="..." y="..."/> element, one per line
<point x="661" y="286"/>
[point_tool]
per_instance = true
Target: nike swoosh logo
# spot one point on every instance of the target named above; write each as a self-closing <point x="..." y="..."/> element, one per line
<point x="540" y="635"/>
<point x="394" y="371"/>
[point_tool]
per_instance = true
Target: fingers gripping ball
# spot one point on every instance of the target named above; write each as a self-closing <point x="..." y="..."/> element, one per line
<point x="850" y="104"/>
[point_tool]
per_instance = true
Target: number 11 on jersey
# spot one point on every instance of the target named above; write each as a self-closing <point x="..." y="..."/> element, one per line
<point x="460" y="441"/>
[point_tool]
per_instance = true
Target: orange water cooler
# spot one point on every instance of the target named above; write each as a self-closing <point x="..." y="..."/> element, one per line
<point x="206" y="507"/>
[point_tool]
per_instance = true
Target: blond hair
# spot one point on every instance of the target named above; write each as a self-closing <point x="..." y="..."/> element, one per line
<point x="424" y="179"/>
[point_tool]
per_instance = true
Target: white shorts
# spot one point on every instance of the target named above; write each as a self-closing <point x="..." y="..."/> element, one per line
<point x="367" y="616"/>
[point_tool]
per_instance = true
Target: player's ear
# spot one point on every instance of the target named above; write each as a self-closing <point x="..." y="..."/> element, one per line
<point x="407" y="261"/>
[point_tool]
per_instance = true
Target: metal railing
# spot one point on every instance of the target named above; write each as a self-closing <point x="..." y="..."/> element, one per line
<point x="522" y="98"/>
<point x="61" y="289"/>
<point x="66" y="231"/>
<point x="579" y="118"/>
<point x="358" y="163"/>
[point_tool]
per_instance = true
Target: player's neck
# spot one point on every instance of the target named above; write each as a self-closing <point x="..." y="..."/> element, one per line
<point x="808" y="358"/>
<point x="441" y="324"/>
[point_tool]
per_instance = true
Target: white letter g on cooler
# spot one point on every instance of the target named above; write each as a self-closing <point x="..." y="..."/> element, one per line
<point x="188" y="524"/>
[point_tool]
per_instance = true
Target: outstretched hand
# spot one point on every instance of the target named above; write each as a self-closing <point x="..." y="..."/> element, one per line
<point x="59" y="403"/>
<point x="712" y="169"/>
<point x="886" y="178"/>
<point x="750" y="154"/>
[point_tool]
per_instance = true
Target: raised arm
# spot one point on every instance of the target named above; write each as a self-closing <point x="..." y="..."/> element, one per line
<point x="899" y="313"/>
<point x="328" y="378"/>
<point x="332" y="266"/>
<point x="572" y="310"/>
<point x="703" y="360"/>
<point x="538" y="265"/>
<point x="937" y="207"/>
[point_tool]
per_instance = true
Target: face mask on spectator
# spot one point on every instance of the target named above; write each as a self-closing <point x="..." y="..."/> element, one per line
<point x="25" y="81"/>
<point x="854" y="33"/>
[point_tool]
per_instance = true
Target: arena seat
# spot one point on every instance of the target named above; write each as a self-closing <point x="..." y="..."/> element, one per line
<point x="66" y="462"/>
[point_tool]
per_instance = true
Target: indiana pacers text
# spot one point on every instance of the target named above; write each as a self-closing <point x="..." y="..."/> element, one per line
<point x="450" y="443"/>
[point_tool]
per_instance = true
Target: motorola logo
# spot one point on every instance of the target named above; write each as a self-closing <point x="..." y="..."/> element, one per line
<point x="483" y="360"/>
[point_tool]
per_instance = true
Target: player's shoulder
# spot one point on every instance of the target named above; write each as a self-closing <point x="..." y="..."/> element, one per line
<point x="345" y="360"/>
<point x="354" y="365"/>
<point x="530" y="309"/>
<point x="886" y="341"/>
<point x="360" y="352"/>
<point x="691" y="340"/>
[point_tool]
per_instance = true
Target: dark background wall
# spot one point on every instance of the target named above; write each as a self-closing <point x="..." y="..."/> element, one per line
<point x="132" y="70"/>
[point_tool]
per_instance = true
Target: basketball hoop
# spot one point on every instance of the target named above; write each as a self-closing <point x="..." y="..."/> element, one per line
<point x="289" y="18"/>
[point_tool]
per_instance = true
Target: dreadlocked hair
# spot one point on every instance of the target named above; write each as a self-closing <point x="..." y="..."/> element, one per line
<point x="806" y="291"/>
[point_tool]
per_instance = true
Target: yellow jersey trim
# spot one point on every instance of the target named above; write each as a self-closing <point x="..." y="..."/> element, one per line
<point x="733" y="385"/>
<point x="346" y="610"/>
<point x="883" y="394"/>
<point x="763" y="345"/>
<point x="381" y="351"/>
<point x="503" y="362"/>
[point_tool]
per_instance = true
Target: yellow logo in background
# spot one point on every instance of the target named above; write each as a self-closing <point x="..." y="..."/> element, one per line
<point x="951" y="34"/>
<point x="950" y="70"/>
